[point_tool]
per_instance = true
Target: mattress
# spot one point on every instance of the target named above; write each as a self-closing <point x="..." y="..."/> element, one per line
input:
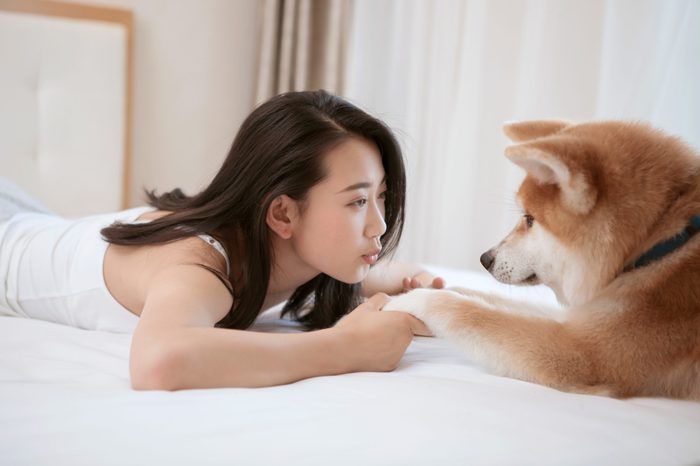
<point x="65" y="399"/>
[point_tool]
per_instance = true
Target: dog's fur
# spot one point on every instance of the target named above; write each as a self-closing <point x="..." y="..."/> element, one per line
<point x="599" y="195"/>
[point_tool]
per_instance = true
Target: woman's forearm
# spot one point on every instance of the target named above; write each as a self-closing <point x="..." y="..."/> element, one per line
<point x="199" y="357"/>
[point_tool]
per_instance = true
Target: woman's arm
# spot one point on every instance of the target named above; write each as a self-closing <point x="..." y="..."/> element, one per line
<point x="393" y="277"/>
<point x="175" y="347"/>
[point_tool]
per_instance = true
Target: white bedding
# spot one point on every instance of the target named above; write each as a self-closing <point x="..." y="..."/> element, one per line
<point x="65" y="400"/>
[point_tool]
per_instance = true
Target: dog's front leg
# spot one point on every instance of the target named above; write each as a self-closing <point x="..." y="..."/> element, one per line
<point x="525" y="347"/>
<point x="497" y="301"/>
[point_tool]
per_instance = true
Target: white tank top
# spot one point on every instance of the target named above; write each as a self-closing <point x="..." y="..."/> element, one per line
<point x="51" y="268"/>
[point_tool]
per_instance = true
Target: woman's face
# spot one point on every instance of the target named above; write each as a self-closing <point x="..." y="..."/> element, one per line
<point x="339" y="230"/>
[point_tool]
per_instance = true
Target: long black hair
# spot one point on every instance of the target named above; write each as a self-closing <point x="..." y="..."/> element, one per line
<point x="278" y="150"/>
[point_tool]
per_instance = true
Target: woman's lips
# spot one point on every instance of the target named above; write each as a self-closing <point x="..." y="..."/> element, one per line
<point x="371" y="257"/>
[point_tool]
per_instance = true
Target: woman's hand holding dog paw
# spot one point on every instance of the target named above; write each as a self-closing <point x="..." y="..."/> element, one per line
<point x="415" y="302"/>
<point x="376" y="340"/>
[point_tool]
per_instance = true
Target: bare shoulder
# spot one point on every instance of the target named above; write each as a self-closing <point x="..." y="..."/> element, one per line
<point x="192" y="250"/>
<point x="135" y="274"/>
<point x="180" y="279"/>
<point x="186" y="294"/>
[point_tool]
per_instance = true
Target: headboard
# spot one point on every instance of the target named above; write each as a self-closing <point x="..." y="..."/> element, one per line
<point x="65" y="94"/>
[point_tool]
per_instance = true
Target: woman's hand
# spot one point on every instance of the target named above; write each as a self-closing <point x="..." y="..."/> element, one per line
<point x="398" y="277"/>
<point x="377" y="340"/>
<point x="422" y="280"/>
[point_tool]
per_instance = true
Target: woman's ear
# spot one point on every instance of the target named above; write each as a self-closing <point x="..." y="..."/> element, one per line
<point x="281" y="215"/>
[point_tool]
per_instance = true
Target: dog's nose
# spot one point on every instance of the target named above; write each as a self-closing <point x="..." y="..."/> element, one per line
<point x="487" y="260"/>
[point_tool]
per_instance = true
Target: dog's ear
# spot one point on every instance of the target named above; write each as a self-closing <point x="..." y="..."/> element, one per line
<point x="519" y="131"/>
<point x="562" y="160"/>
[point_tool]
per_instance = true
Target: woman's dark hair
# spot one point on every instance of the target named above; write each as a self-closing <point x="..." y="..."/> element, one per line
<point x="278" y="150"/>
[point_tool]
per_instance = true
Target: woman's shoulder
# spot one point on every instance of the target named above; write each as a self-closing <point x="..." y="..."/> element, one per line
<point x="149" y="260"/>
<point x="191" y="250"/>
<point x="195" y="248"/>
<point x="150" y="215"/>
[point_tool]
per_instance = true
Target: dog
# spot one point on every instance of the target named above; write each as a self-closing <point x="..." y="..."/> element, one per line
<point x="610" y="212"/>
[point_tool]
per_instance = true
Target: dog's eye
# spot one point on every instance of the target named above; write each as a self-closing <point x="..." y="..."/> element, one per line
<point x="529" y="220"/>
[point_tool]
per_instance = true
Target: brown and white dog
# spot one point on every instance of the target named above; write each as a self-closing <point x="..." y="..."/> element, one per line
<point x="610" y="215"/>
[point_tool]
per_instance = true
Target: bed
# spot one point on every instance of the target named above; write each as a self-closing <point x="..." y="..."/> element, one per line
<point x="66" y="400"/>
<point x="65" y="397"/>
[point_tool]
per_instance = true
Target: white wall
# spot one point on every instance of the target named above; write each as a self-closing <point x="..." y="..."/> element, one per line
<point x="193" y="84"/>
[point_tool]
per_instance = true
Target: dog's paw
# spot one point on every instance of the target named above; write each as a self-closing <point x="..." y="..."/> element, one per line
<point x="436" y="308"/>
<point x="415" y="302"/>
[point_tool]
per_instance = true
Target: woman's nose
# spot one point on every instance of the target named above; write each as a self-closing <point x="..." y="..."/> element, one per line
<point x="376" y="225"/>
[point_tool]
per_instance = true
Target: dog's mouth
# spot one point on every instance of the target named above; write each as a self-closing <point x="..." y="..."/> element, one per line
<point x="531" y="280"/>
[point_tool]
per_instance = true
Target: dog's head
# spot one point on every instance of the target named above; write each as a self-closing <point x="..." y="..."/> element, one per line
<point x="591" y="197"/>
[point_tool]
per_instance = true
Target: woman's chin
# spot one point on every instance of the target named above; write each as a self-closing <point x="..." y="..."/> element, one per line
<point x="352" y="277"/>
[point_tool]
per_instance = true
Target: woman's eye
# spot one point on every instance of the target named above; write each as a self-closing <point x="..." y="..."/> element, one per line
<point x="529" y="220"/>
<point x="382" y="196"/>
<point x="360" y="202"/>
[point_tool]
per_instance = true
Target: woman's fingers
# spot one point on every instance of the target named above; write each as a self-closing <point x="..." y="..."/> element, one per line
<point x="411" y="283"/>
<point x="438" y="282"/>
<point x="375" y="303"/>
<point x="418" y="327"/>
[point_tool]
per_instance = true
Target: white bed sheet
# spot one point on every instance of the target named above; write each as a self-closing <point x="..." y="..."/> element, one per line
<point x="65" y="400"/>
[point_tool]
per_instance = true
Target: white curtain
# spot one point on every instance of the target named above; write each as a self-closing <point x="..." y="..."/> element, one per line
<point x="446" y="74"/>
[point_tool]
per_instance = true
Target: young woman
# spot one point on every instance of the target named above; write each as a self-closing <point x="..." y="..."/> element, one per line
<point x="310" y="197"/>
